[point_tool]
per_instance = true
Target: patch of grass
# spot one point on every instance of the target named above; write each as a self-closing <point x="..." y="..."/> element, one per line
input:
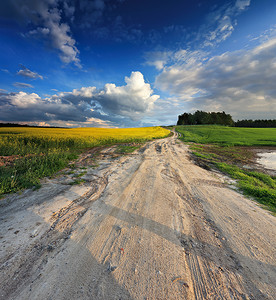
<point x="229" y="154"/>
<point x="208" y="156"/>
<point x="258" y="185"/>
<point x="77" y="181"/>
<point x="95" y="165"/>
<point x="125" y="149"/>
<point x="37" y="187"/>
<point x="80" y="174"/>
<point x="169" y="127"/>
<point x="70" y="172"/>
<point x="227" y="136"/>
<point x="27" y="172"/>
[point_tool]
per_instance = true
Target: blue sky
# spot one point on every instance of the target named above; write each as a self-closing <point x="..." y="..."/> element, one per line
<point x="129" y="63"/>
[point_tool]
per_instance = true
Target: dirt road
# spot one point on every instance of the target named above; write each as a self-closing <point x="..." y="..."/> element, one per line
<point x="150" y="225"/>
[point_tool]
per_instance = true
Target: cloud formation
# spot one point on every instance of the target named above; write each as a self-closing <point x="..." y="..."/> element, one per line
<point x="221" y="22"/>
<point x="22" y="85"/>
<point x="219" y="26"/>
<point x="240" y="82"/>
<point x="46" y="18"/>
<point x="158" y="59"/>
<point x="132" y="100"/>
<point x="5" y="71"/>
<point x="242" y="4"/>
<point x="113" y="105"/>
<point x="25" y="72"/>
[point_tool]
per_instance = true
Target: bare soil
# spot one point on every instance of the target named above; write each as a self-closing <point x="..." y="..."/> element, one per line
<point x="149" y="225"/>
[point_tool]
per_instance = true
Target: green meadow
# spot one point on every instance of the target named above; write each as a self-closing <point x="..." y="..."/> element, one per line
<point x="228" y="136"/>
<point x="228" y="149"/>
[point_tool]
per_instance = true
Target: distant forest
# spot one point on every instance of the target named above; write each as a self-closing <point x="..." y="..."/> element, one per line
<point x="256" y="123"/>
<point x="221" y="118"/>
<point x="204" y="118"/>
<point x="25" y="125"/>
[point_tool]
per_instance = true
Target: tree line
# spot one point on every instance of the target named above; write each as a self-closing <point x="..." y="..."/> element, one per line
<point x="220" y="118"/>
<point x="205" y="118"/>
<point x="26" y="125"/>
<point x="256" y="123"/>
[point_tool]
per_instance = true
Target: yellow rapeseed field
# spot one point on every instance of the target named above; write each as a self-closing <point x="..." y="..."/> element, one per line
<point x="144" y="132"/>
<point x="28" y="154"/>
<point x="24" y="140"/>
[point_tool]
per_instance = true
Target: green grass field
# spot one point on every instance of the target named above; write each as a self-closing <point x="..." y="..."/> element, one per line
<point x="228" y="136"/>
<point x="29" y="154"/>
<point x="228" y="149"/>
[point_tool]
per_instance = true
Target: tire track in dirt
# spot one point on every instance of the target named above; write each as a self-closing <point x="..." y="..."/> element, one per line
<point x="151" y="225"/>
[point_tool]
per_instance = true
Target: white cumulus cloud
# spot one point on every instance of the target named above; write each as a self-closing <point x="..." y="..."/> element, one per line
<point x="132" y="100"/>
<point x="110" y="106"/>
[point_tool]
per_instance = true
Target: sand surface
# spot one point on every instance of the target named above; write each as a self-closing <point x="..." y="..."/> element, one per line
<point x="149" y="225"/>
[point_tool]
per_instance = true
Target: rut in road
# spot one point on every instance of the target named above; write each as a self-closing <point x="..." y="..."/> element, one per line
<point x="151" y="225"/>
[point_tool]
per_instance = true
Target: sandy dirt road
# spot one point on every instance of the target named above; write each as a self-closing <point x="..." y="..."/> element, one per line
<point x="150" y="225"/>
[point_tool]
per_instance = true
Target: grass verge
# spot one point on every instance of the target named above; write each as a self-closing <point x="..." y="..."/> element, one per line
<point x="231" y="159"/>
<point x="27" y="171"/>
<point x="260" y="186"/>
<point x="256" y="184"/>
